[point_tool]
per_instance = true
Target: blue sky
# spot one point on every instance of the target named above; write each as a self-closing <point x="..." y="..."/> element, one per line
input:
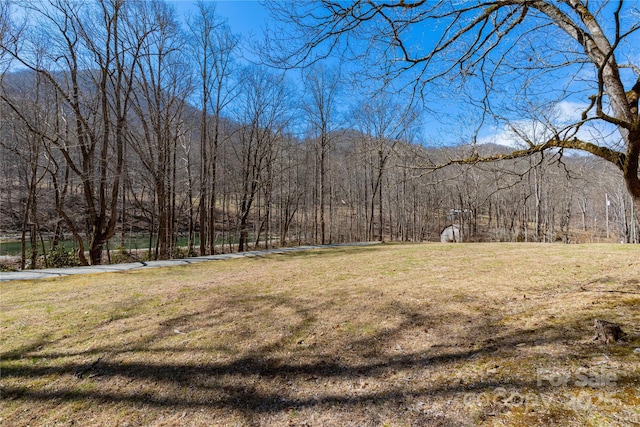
<point x="246" y="17"/>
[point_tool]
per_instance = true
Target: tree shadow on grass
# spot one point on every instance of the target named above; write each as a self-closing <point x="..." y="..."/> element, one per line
<point x="280" y="375"/>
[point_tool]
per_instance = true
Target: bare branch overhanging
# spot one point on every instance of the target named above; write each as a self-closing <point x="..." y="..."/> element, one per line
<point x="477" y="36"/>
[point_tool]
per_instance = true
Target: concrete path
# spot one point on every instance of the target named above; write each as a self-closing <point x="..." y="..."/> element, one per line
<point x="60" y="272"/>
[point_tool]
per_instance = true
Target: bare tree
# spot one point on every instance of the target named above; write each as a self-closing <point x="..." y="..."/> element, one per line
<point x="162" y="84"/>
<point x="290" y="186"/>
<point x="383" y="123"/>
<point x="28" y="146"/>
<point x="322" y="88"/>
<point x="264" y="116"/>
<point x="9" y="35"/>
<point x="213" y="46"/>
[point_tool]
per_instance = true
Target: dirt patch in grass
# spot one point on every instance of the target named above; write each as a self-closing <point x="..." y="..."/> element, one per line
<point x="398" y="335"/>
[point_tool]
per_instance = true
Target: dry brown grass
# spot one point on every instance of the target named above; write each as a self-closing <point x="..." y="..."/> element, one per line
<point x="397" y="335"/>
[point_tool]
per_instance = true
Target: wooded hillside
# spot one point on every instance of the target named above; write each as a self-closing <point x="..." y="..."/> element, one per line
<point x="119" y="122"/>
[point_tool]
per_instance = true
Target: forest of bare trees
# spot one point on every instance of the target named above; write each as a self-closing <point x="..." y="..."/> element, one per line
<point x="128" y="131"/>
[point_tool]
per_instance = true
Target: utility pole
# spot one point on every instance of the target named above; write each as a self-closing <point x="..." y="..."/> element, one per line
<point x="607" y="203"/>
<point x="633" y="236"/>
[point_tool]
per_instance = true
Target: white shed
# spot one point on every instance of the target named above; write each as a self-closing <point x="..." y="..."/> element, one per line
<point x="451" y="234"/>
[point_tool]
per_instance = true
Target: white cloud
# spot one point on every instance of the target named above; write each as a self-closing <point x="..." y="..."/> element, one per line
<point x="501" y="136"/>
<point x="570" y="112"/>
<point x="517" y="134"/>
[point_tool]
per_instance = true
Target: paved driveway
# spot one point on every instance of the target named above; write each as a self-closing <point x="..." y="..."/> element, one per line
<point x="59" y="272"/>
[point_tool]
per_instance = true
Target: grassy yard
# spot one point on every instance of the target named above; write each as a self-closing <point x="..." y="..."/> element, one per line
<point x="397" y="335"/>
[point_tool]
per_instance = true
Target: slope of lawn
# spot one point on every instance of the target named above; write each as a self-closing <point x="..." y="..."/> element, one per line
<point x="396" y="335"/>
